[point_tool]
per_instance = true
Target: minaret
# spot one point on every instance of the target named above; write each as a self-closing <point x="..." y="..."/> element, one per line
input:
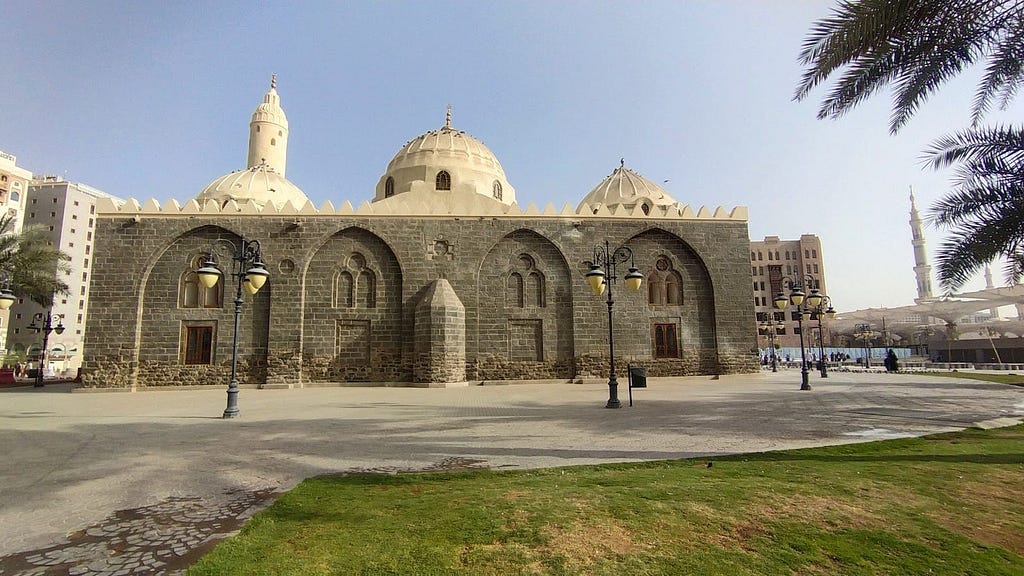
<point x="988" y="286"/>
<point x="922" y="270"/>
<point x="268" y="132"/>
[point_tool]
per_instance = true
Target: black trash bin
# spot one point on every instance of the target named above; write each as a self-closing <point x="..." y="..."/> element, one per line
<point x="637" y="377"/>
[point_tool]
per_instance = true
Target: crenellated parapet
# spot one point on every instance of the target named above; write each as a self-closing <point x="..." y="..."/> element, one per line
<point x="422" y="204"/>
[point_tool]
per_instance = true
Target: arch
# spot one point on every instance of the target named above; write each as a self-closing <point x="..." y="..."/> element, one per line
<point x="175" y="259"/>
<point x="362" y="340"/>
<point x="389" y="187"/>
<point x="497" y="190"/>
<point x="443" y="181"/>
<point x="680" y="319"/>
<point x="522" y="311"/>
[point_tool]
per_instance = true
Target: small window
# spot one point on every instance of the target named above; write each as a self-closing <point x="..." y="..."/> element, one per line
<point x="198" y="345"/>
<point x="35" y="200"/>
<point x="497" y="190"/>
<point x="76" y="203"/>
<point x="92" y="209"/>
<point x="443" y="181"/>
<point x="257" y="128"/>
<point x="280" y="132"/>
<point x="3" y="178"/>
<point x="814" y="252"/>
<point x="54" y="200"/>
<point x="15" y="197"/>
<point x="273" y="141"/>
<point x="389" y="187"/>
<point x="74" y="216"/>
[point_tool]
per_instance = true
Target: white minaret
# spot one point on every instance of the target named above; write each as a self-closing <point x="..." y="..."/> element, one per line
<point x="268" y="132"/>
<point x="922" y="270"/>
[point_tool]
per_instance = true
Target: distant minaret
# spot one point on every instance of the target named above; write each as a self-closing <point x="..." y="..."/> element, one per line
<point x="988" y="285"/>
<point x="922" y="270"/>
<point x="268" y="132"/>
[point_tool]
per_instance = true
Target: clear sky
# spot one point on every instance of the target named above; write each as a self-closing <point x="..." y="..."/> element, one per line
<point x="153" y="100"/>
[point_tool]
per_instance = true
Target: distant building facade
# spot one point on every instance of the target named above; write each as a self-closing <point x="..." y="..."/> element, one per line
<point x="68" y="210"/>
<point x="14" y="181"/>
<point x="773" y="263"/>
<point x="440" y="278"/>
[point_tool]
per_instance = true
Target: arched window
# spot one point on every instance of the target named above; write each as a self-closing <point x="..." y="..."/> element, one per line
<point x="443" y="181"/>
<point x="343" y="289"/>
<point x="366" y="289"/>
<point x="535" y="289"/>
<point x="664" y="284"/>
<point x="497" y="190"/>
<point x="389" y="187"/>
<point x="257" y="128"/>
<point x="646" y="208"/>
<point x="15" y="197"/>
<point x="273" y="141"/>
<point x="355" y="283"/>
<point x="192" y="294"/>
<point x="514" y="291"/>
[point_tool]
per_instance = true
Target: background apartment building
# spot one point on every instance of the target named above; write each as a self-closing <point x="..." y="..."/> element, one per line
<point x="14" y="182"/>
<point x="68" y="210"/>
<point x="773" y="264"/>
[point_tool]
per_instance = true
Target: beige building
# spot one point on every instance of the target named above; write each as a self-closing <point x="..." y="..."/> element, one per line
<point x="14" y="182"/>
<point x="774" y="263"/>
<point x="68" y="210"/>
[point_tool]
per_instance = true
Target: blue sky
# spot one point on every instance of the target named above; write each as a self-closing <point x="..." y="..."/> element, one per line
<point x="153" y="99"/>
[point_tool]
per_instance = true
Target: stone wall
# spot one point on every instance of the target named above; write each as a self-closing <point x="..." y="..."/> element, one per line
<point x="340" y="304"/>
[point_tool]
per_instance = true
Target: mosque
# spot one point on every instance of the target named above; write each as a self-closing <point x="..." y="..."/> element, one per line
<point x="441" y="279"/>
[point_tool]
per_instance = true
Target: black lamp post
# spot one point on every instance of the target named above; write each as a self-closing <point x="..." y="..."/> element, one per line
<point x="46" y="327"/>
<point x="769" y="328"/>
<point x="804" y="303"/>
<point x="251" y="274"/>
<point x="864" y="331"/>
<point x="602" y="275"/>
<point x="824" y="308"/>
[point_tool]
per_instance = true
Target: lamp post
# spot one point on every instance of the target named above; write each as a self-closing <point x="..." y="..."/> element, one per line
<point x="46" y="327"/>
<point x="602" y="275"/>
<point x="804" y="303"/>
<point x="251" y="274"/>
<point x="824" y="308"/>
<point x="864" y="331"/>
<point x="769" y="328"/>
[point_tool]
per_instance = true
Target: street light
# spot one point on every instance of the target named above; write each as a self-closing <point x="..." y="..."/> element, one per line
<point x="824" y="308"/>
<point x="864" y="331"/>
<point x="251" y="274"/>
<point x="602" y="269"/>
<point x="769" y="327"/>
<point x="46" y="327"/>
<point x="804" y="303"/>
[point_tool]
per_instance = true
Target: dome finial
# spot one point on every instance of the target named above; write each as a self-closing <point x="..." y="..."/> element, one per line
<point x="273" y="81"/>
<point x="622" y="162"/>
<point x="448" y="118"/>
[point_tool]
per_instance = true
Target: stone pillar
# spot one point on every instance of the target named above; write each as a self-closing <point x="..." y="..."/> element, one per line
<point x="440" y="335"/>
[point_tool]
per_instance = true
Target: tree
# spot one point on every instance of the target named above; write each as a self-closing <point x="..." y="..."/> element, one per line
<point x="32" y="262"/>
<point x="914" y="46"/>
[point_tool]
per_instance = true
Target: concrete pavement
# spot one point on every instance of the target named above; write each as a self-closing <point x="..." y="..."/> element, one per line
<point x="144" y="483"/>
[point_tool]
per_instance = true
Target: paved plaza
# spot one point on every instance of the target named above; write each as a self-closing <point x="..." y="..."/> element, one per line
<point x="145" y="483"/>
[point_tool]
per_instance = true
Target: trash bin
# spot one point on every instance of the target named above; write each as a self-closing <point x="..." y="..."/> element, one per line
<point x="637" y="377"/>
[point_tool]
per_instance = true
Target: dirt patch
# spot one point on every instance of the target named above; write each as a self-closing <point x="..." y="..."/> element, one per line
<point x="829" y="513"/>
<point x="584" y="543"/>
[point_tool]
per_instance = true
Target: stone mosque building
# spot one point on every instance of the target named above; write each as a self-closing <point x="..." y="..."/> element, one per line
<point x="440" y="278"/>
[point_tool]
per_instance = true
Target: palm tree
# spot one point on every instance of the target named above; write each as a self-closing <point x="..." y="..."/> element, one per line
<point x="914" y="46"/>
<point x="32" y="262"/>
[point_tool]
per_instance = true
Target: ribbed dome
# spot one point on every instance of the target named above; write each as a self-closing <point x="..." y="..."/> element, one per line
<point x="469" y="164"/>
<point x="627" y="188"/>
<point x="259" y="184"/>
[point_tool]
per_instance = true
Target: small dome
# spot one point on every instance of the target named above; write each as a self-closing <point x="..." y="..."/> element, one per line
<point x="259" y="184"/>
<point x="445" y="159"/>
<point x="627" y="188"/>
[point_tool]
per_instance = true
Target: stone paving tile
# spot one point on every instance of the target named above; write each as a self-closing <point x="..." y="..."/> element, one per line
<point x="163" y="539"/>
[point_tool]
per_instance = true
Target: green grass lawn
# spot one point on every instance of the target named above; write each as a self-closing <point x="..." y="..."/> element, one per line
<point x="945" y="504"/>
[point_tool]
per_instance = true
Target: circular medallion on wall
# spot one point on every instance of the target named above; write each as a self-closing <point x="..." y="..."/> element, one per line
<point x="287" y="266"/>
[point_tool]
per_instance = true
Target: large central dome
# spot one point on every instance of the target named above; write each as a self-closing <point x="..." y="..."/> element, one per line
<point x="443" y="160"/>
